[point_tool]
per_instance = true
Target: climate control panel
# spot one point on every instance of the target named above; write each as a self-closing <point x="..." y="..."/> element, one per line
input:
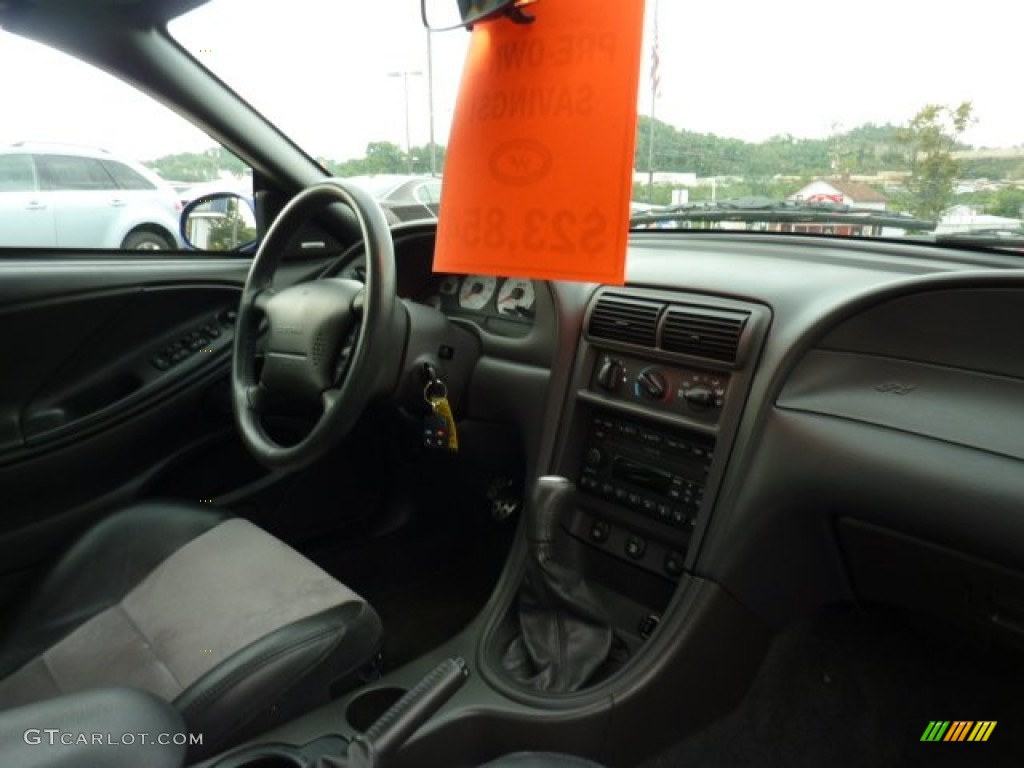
<point x="693" y="392"/>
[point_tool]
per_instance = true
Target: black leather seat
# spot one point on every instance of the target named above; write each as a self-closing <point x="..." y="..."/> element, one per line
<point x="540" y="760"/>
<point x="206" y="611"/>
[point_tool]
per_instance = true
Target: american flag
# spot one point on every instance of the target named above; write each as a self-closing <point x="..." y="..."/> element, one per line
<point x="655" y="58"/>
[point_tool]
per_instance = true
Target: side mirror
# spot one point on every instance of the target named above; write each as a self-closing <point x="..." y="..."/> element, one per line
<point x="222" y="221"/>
<point x="441" y="15"/>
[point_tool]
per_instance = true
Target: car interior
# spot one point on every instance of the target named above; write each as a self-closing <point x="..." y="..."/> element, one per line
<point x="760" y="505"/>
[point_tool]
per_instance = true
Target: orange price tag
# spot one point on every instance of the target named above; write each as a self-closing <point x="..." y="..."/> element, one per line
<point x="539" y="170"/>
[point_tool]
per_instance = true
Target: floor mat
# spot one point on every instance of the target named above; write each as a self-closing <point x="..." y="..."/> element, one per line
<point x="426" y="581"/>
<point x="855" y="689"/>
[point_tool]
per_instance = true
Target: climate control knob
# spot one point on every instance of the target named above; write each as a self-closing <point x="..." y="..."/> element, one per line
<point x="611" y="374"/>
<point x="651" y="384"/>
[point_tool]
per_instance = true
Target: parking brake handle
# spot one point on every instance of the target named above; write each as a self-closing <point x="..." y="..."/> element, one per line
<point x="375" y="747"/>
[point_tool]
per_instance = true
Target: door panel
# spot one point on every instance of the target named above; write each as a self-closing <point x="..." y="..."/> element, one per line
<point x="89" y="412"/>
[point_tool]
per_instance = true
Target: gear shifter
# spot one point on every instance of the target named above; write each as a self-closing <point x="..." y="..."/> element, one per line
<point x="564" y="635"/>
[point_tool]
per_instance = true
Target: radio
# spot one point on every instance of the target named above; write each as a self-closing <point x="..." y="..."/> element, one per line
<point x="656" y="471"/>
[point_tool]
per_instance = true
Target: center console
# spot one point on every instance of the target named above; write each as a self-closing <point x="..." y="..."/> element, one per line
<point x="659" y="385"/>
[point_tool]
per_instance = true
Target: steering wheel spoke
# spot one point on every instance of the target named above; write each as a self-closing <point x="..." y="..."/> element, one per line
<point x="260" y="300"/>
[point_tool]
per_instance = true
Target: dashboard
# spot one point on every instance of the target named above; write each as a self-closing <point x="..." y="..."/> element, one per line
<point x="800" y="420"/>
<point x="498" y="306"/>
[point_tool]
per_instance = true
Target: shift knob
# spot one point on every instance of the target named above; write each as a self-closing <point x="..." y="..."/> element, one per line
<point x="550" y="497"/>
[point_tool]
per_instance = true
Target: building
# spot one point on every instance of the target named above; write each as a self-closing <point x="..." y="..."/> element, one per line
<point x="843" y="191"/>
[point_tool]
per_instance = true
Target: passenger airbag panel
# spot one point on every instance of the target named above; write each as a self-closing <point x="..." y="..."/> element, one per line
<point x="963" y="407"/>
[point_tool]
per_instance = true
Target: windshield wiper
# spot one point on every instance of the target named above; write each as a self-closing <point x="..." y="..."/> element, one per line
<point x="989" y="238"/>
<point x="767" y="210"/>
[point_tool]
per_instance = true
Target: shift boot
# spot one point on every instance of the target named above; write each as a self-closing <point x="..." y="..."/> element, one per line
<point x="564" y="634"/>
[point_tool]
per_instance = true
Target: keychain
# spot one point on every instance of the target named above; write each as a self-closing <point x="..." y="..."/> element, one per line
<point x="439" y="424"/>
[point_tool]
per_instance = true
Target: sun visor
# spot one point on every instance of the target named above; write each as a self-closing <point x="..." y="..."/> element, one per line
<point x="539" y="169"/>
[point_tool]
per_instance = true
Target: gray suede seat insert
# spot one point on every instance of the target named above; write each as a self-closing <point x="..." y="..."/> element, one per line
<point x="220" y="592"/>
<point x="232" y="591"/>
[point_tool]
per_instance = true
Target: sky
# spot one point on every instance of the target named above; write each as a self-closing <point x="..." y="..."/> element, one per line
<point x="749" y="69"/>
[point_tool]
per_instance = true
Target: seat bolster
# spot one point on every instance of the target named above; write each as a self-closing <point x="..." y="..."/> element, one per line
<point x="99" y="569"/>
<point x="280" y="675"/>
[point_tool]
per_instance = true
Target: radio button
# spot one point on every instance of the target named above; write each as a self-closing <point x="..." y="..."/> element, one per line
<point x="595" y="457"/>
<point x="620" y="493"/>
<point x="665" y="512"/>
<point x="599" y="531"/>
<point x="634" y="499"/>
<point x="649" y="506"/>
<point x="636" y="547"/>
<point x="673" y="563"/>
<point x="651" y="438"/>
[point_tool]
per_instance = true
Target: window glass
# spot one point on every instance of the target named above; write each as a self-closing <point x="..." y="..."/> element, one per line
<point x="63" y="172"/>
<point x="114" y="167"/>
<point x="429" y="192"/>
<point x="16" y="173"/>
<point x="125" y="177"/>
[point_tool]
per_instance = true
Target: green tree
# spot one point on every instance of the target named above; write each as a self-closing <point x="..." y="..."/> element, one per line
<point x="930" y="138"/>
<point x="198" y="166"/>
<point x="1008" y="202"/>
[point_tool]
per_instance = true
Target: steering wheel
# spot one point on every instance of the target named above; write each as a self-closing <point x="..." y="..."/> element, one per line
<point x="333" y="340"/>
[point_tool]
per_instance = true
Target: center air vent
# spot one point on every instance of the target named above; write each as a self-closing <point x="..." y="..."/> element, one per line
<point x="630" y="320"/>
<point x="710" y="333"/>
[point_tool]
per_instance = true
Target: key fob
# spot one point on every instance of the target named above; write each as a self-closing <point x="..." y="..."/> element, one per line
<point x="435" y="431"/>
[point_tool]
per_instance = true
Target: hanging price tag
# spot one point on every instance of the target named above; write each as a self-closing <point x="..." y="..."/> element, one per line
<point x="539" y="170"/>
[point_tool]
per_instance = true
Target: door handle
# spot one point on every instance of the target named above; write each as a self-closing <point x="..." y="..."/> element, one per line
<point x="117" y="202"/>
<point x="35" y="205"/>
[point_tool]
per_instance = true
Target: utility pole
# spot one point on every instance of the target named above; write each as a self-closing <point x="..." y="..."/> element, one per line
<point x="655" y="77"/>
<point x="405" y="74"/>
<point x="430" y="100"/>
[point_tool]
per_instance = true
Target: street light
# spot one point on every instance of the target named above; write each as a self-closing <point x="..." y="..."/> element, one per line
<point x="405" y="74"/>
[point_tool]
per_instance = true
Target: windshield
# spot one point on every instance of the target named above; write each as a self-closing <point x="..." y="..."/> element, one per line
<point x="873" y="107"/>
<point x="790" y="102"/>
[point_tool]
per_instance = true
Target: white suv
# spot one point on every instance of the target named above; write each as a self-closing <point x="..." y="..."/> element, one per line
<point x="56" y="196"/>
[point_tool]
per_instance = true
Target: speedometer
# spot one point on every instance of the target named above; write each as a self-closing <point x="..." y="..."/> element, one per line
<point x="476" y="291"/>
<point x="516" y="297"/>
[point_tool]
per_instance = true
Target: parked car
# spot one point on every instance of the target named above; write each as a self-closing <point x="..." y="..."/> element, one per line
<point x="403" y="198"/>
<point x="76" y="197"/>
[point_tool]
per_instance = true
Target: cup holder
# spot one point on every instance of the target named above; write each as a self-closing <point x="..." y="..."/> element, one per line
<point x="366" y="707"/>
<point x="265" y="756"/>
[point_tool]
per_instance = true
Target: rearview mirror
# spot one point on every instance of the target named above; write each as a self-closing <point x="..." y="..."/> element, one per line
<point x="440" y="15"/>
<point x="223" y="221"/>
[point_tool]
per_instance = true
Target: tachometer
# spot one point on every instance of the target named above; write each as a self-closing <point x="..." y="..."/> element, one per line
<point x="516" y="297"/>
<point x="476" y="291"/>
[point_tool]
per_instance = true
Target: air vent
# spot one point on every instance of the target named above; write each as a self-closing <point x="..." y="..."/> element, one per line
<point x="710" y="333"/>
<point x="629" y="320"/>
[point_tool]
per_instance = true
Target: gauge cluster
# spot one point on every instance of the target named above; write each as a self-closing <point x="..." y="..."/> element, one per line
<point x="502" y="305"/>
